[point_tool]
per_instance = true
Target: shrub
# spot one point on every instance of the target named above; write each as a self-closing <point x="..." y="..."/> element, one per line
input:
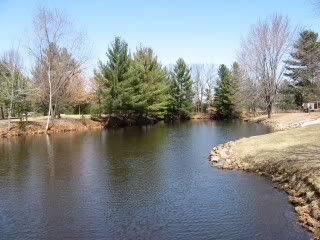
<point x="287" y="103"/>
<point x="95" y="111"/>
<point x="22" y="125"/>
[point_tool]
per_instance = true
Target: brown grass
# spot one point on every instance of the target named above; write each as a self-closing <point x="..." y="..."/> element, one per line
<point x="290" y="158"/>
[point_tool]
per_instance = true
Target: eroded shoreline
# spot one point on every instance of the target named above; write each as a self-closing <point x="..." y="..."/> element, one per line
<point x="56" y="126"/>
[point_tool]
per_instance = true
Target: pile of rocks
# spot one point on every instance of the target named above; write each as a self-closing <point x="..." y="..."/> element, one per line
<point x="222" y="156"/>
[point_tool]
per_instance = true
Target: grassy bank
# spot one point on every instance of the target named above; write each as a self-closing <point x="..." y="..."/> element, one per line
<point x="290" y="158"/>
<point x="36" y="125"/>
<point x="284" y="121"/>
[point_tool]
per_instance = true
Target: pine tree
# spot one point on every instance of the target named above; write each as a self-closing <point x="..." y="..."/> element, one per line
<point x="224" y="100"/>
<point x="147" y="91"/>
<point x="181" y="91"/>
<point x="113" y="75"/>
<point x="303" y="66"/>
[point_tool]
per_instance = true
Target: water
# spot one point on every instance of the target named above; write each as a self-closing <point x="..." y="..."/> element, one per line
<point x="137" y="183"/>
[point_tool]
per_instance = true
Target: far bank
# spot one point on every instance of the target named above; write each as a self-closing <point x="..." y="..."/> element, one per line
<point x="37" y="125"/>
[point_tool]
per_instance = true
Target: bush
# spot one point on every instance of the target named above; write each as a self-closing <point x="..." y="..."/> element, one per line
<point x="95" y="111"/>
<point x="22" y="125"/>
<point x="84" y="108"/>
<point x="287" y="103"/>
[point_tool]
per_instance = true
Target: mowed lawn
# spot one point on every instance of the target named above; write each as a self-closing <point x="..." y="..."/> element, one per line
<point x="292" y="150"/>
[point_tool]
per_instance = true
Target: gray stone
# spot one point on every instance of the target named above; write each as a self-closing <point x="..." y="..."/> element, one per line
<point x="214" y="158"/>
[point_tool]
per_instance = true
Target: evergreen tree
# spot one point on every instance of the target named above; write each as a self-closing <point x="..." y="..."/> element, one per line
<point x="14" y="87"/>
<point x="181" y="91"/>
<point x="303" y="66"/>
<point x="113" y="75"/>
<point x="147" y="90"/>
<point x="224" y="101"/>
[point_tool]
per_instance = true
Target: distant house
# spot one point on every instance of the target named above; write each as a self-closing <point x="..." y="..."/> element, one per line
<point x="311" y="106"/>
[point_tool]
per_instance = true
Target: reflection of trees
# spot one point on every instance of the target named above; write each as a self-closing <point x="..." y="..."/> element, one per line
<point x="132" y="168"/>
<point x="14" y="158"/>
<point x="134" y="150"/>
<point x="234" y="129"/>
<point x="64" y="155"/>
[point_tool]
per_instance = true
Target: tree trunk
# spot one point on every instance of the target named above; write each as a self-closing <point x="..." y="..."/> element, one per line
<point x="53" y="111"/>
<point x="11" y="102"/>
<point x="10" y="111"/>
<point x="269" y="110"/>
<point x="9" y="118"/>
<point x="26" y="117"/>
<point x="50" y="100"/>
<point x="2" y="112"/>
<point x="49" y="113"/>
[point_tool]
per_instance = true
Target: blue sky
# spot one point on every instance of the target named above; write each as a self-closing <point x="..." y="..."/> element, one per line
<point x="199" y="31"/>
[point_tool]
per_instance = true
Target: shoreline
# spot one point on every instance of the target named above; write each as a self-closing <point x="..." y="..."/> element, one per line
<point x="288" y="157"/>
<point x="72" y="124"/>
<point x="56" y="126"/>
<point x="285" y="121"/>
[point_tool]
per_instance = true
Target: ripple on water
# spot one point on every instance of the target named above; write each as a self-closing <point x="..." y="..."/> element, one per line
<point x="137" y="183"/>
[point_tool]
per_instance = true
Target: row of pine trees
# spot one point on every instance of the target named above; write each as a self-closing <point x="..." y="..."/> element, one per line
<point x="139" y="86"/>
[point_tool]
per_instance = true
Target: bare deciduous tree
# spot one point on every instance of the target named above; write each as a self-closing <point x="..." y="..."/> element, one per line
<point x="203" y="76"/>
<point x="262" y="54"/>
<point x="198" y="85"/>
<point x="57" y="49"/>
<point x="210" y="81"/>
<point x="79" y="92"/>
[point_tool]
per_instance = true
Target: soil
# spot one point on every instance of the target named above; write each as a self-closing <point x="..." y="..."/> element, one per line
<point x="38" y="127"/>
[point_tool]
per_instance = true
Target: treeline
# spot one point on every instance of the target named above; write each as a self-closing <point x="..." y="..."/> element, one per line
<point x="274" y="70"/>
<point x="55" y="84"/>
<point x="303" y="72"/>
<point x="139" y="86"/>
<point x="20" y="93"/>
<point x="13" y="86"/>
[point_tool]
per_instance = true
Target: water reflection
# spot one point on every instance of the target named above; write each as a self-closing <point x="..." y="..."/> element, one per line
<point x="50" y="151"/>
<point x="136" y="183"/>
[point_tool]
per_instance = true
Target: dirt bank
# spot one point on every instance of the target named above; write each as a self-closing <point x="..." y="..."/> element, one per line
<point x="290" y="158"/>
<point x="199" y="116"/>
<point x="37" y="126"/>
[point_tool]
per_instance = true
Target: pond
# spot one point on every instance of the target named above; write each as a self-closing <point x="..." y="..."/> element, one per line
<point x="150" y="182"/>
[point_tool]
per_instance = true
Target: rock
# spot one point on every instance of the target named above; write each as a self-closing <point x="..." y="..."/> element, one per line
<point x="214" y="158"/>
<point x="301" y="210"/>
<point x="315" y="209"/>
<point x="296" y="200"/>
<point x="309" y="195"/>
<point x="228" y="161"/>
<point x="223" y="153"/>
<point x="277" y="178"/>
<point x="312" y="222"/>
